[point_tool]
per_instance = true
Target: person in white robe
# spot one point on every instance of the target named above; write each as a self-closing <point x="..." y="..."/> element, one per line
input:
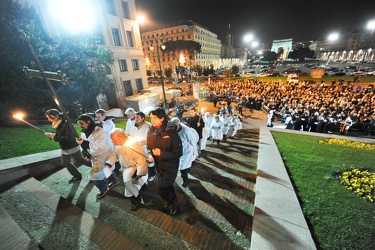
<point x="189" y="138"/>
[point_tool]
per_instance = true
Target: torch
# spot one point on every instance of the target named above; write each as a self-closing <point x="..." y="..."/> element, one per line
<point x="20" y="117"/>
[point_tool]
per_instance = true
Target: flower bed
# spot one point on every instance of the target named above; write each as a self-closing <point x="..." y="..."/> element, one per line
<point x="347" y="143"/>
<point x="360" y="182"/>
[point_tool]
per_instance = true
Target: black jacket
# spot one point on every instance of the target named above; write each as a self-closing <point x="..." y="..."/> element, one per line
<point x="170" y="146"/>
<point x="65" y="136"/>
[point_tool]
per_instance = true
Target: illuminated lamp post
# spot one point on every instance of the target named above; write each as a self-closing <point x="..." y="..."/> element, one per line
<point x="248" y="38"/>
<point x="371" y="26"/>
<point x="332" y="38"/>
<point x="162" y="46"/>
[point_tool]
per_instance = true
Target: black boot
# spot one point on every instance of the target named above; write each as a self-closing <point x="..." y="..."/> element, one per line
<point x="185" y="182"/>
<point x="136" y="201"/>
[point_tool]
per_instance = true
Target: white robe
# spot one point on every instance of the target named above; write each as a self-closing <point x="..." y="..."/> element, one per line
<point x="216" y="130"/>
<point x="189" y="138"/>
<point x="99" y="150"/>
<point x="132" y="159"/>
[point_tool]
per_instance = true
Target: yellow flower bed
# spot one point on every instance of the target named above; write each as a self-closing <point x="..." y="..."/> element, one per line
<point x="347" y="143"/>
<point x="360" y="182"/>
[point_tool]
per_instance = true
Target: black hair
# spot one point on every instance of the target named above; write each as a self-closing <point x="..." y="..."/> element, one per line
<point x="159" y="113"/>
<point x="101" y="111"/>
<point x="86" y="118"/>
<point x="53" y="113"/>
<point x="141" y="114"/>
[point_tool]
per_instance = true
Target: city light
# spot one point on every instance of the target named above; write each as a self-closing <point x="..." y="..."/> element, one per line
<point x="141" y="19"/>
<point x="248" y="38"/>
<point x="371" y="25"/>
<point x="74" y="15"/>
<point x="333" y="37"/>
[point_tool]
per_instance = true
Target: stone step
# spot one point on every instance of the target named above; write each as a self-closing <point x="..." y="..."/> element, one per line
<point x="160" y="222"/>
<point x="56" y="222"/>
<point x="12" y="236"/>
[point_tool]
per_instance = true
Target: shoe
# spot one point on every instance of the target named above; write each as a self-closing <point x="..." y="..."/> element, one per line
<point x="74" y="178"/>
<point x="136" y="201"/>
<point x="185" y="183"/>
<point x="172" y="209"/>
<point x="101" y="194"/>
<point x="143" y="188"/>
<point x="112" y="184"/>
<point x="151" y="178"/>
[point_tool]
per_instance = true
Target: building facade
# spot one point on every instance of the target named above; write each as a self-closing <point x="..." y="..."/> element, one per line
<point x="118" y="31"/>
<point x="189" y="31"/>
<point x="352" y="46"/>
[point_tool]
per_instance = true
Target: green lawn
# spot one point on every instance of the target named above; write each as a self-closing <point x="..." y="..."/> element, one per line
<point x="339" y="219"/>
<point x="24" y="140"/>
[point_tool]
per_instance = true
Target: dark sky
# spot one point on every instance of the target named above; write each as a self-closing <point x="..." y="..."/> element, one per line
<point x="268" y="20"/>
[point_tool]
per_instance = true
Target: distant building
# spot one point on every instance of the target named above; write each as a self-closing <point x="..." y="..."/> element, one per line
<point x="227" y="50"/>
<point x="117" y="31"/>
<point x="183" y="30"/>
<point x="354" y="46"/>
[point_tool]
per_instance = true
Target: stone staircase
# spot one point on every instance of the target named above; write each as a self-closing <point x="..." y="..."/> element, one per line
<point x="215" y="212"/>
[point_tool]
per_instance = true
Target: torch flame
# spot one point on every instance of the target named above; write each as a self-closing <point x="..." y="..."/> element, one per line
<point x="18" y="116"/>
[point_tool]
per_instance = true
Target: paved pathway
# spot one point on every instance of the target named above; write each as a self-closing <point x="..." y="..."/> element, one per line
<point x="230" y="183"/>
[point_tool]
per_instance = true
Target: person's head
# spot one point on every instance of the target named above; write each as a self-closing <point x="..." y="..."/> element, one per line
<point x="118" y="137"/>
<point x="176" y="122"/>
<point x="53" y="115"/>
<point x="130" y="113"/>
<point x="100" y="115"/>
<point x="85" y="121"/>
<point x="193" y="111"/>
<point x="140" y="117"/>
<point x="158" y="117"/>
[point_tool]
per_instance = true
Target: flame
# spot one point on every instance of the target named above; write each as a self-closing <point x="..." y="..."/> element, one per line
<point x="18" y="116"/>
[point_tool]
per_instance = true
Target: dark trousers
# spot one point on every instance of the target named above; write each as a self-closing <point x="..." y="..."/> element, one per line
<point x="184" y="174"/>
<point x="166" y="180"/>
<point x="71" y="166"/>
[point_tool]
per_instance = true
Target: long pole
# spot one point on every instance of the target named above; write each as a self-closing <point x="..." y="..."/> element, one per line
<point x="161" y="73"/>
<point x="41" y="69"/>
<point x="31" y="125"/>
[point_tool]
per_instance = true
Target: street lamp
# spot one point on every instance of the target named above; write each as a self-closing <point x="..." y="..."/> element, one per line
<point x="371" y="25"/>
<point x="332" y="38"/>
<point x="156" y="40"/>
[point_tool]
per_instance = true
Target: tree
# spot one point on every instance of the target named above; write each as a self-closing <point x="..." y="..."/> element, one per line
<point x="235" y="69"/>
<point x="182" y="46"/>
<point x="301" y="54"/>
<point x="269" y="56"/>
<point x="87" y="66"/>
<point x="16" y="90"/>
<point x="168" y="72"/>
<point x="79" y="58"/>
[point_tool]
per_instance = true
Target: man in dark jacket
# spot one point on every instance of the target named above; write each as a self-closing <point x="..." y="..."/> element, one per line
<point x="196" y="122"/>
<point x="164" y="148"/>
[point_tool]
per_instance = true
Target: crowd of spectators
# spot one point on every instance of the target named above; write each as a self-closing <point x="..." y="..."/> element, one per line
<point x="317" y="107"/>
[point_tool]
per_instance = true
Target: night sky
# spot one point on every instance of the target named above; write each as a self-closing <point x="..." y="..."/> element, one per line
<point x="268" y="20"/>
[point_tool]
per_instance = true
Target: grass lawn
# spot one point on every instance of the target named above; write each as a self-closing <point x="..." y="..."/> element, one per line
<point x="24" y="140"/>
<point x="338" y="218"/>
